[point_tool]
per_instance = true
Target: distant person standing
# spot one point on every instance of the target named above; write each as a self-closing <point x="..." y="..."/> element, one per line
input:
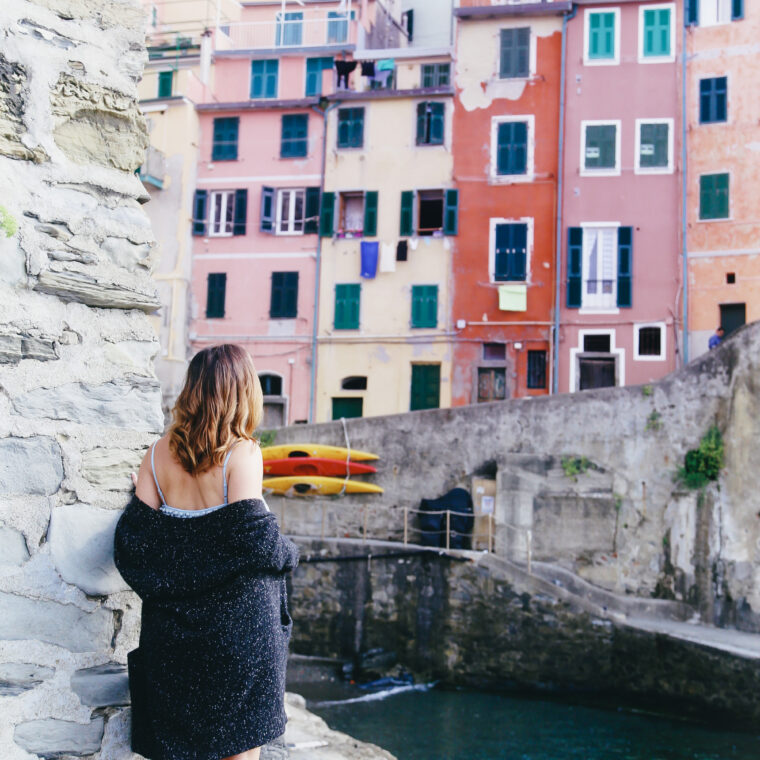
<point x="717" y="339"/>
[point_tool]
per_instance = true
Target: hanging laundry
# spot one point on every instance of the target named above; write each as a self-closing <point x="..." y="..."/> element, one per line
<point x="386" y="64"/>
<point x="402" y="250"/>
<point x="344" y="68"/>
<point x="368" y="68"/>
<point x="513" y="297"/>
<point x="387" y="258"/>
<point x="369" y="259"/>
<point x="413" y="243"/>
<point x="382" y="79"/>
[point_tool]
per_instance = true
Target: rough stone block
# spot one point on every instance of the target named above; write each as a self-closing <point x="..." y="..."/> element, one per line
<point x="50" y="736"/>
<point x="30" y="466"/>
<point x="17" y="677"/>
<point x="101" y="686"/>
<point x="133" y="402"/>
<point x="13" y="549"/>
<point x="64" y="625"/>
<point x="110" y="468"/>
<point x="14" y="347"/>
<point x="81" y="544"/>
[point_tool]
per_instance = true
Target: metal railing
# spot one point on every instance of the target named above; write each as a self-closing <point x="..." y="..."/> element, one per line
<point x="308" y="32"/>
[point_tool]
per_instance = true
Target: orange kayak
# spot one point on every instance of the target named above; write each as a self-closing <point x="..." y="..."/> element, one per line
<point x="314" y="466"/>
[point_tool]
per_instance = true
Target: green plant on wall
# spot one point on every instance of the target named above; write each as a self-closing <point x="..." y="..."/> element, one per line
<point x="654" y="421"/>
<point x="647" y="390"/>
<point x="703" y="464"/>
<point x="7" y="223"/>
<point x="574" y="466"/>
<point x="267" y="438"/>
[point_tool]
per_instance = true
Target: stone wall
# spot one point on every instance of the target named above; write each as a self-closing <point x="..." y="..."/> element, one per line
<point x="79" y="400"/>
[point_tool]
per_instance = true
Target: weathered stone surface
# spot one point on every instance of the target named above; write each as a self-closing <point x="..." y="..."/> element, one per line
<point x="13" y="549"/>
<point x="61" y="624"/>
<point x="81" y="544"/>
<point x="12" y="107"/>
<point x="30" y="466"/>
<point x="50" y="736"/>
<point x="18" y="677"/>
<point x="102" y="686"/>
<point x="15" y="346"/>
<point x="133" y="403"/>
<point x="110" y="468"/>
<point x="95" y="291"/>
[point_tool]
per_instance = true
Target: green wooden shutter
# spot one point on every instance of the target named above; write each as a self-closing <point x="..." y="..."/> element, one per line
<point x="436" y="123"/>
<point x="625" y="267"/>
<point x="451" y="213"/>
<point x="240" y="212"/>
<point x="165" y="82"/>
<point x="424" y="305"/>
<point x="370" y="213"/>
<point x="200" y="202"/>
<point x="215" y="292"/>
<point x="311" y="222"/>
<point x="257" y="79"/>
<point x="426" y="386"/>
<point x="574" y="267"/>
<point x="692" y="12"/>
<point x="737" y="10"/>
<point x="601" y="35"/>
<point x="327" y="215"/>
<point x="657" y="32"/>
<point x="270" y="80"/>
<point x="267" y="210"/>
<point x="713" y="196"/>
<point x="407" y="213"/>
<point x="347" y="299"/>
<point x="421" y="122"/>
<point x="225" y="144"/>
<point x="346" y="407"/>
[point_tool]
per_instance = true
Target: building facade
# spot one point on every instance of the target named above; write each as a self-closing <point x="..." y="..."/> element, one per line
<point x="723" y="118"/>
<point x="621" y="274"/>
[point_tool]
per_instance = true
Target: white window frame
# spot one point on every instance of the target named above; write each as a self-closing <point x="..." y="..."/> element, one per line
<point x="585" y="308"/>
<point x="663" y="342"/>
<point x="508" y="179"/>
<point x="586" y="38"/>
<point x="658" y="58"/>
<point x="492" y="222"/>
<point x="637" y="168"/>
<point x="718" y="22"/>
<point x="228" y="198"/>
<point x="614" y="172"/>
<point x="293" y="191"/>
<point x="619" y="353"/>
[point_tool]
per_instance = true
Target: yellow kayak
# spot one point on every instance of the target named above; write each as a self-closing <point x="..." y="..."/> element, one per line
<point x="318" y="485"/>
<point x="315" y="450"/>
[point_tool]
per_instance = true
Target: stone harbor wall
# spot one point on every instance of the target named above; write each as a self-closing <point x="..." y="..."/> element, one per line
<point x="79" y="401"/>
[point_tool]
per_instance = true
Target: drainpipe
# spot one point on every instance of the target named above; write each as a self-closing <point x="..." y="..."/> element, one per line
<point x="684" y="201"/>
<point x="560" y="181"/>
<point x="313" y="377"/>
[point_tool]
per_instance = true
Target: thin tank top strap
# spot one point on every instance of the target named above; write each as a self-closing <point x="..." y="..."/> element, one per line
<point x="224" y="469"/>
<point x="155" y="479"/>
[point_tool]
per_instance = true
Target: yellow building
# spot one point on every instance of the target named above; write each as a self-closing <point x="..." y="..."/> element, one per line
<point x="384" y="341"/>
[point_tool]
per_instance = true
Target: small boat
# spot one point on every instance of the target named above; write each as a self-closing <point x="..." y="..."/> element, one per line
<point x="315" y="466"/>
<point x="318" y="450"/>
<point x="315" y="484"/>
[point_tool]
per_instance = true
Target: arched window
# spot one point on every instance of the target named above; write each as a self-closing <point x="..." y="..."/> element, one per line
<point x="271" y="385"/>
<point x="354" y="383"/>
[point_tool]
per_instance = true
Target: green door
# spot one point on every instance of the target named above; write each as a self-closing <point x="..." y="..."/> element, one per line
<point x="347" y="407"/>
<point x="426" y="386"/>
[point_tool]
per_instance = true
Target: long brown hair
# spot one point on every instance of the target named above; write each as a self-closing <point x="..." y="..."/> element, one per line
<point x="220" y="403"/>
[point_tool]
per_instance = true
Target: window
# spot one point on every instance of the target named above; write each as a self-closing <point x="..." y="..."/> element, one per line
<point x="512" y="148"/>
<point x="165" y="83"/>
<point x="294" y="142"/>
<point x="495" y="352"/>
<point x="596" y="372"/>
<point x="656" y="33"/>
<point x="222" y="212"/>
<point x="350" y="127"/>
<point x="424" y="305"/>
<point x="314" y="69"/>
<point x="713" y="100"/>
<point x="426" y="386"/>
<point x="510" y="252"/>
<point x="437" y="211"/>
<point x="217" y="285"/>
<point x="357" y="214"/>
<point x="536" y="369"/>
<point x="597" y="343"/>
<point x="347" y="306"/>
<point x="271" y="385"/>
<point x="430" y="211"/>
<point x="264" y="78"/>
<point x="354" y="383"/>
<point x="436" y="74"/>
<point x="337" y="26"/>
<point x="225" y="146"/>
<point x="289" y="29"/>
<point x="602" y="29"/>
<point x="732" y="316"/>
<point x="600" y="149"/>
<point x="492" y="384"/>
<point x="730" y="278"/>
<point x="713" y="12"/>
<point x="649" y="342"/>
<point x="283" y="303"/>
<point x="514" y="53"/>
<point x="430" y="123"/>
<point x="289" y="218"/>
<point x="713" y="196"/>
<point x="654" y="146"/>
<point x="347" y="407"/>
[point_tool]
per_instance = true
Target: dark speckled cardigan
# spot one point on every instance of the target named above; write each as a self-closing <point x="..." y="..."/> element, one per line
<point x="208" y="678"/>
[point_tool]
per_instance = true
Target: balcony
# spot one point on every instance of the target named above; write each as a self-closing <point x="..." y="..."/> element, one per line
<point x="153" y="170"/>
<point x="296" y="30"/>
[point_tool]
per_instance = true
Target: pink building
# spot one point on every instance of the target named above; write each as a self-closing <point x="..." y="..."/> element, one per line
<point x="620" y="274"/>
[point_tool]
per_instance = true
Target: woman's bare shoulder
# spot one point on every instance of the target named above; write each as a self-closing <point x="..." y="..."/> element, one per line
<point x="245" y="471"/>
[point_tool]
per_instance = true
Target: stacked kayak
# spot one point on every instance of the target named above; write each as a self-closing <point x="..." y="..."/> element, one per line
<point x="314" y="468"/>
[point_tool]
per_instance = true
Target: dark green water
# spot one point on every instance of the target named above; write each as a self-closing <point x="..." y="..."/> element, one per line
<point x="444" y="725"/>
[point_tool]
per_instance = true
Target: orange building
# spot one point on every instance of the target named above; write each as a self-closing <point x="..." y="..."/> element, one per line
<point x="723" y="142"/>
<point x="506" y="121"/>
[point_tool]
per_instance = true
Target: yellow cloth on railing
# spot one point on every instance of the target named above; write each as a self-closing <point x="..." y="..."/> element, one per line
<point x="513" y="297"/>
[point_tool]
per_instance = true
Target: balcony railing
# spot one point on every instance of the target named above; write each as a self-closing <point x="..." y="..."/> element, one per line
<point x="336" y="30"/>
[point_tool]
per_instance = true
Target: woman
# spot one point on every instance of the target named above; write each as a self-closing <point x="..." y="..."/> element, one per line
<point x="200" y="547"/>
